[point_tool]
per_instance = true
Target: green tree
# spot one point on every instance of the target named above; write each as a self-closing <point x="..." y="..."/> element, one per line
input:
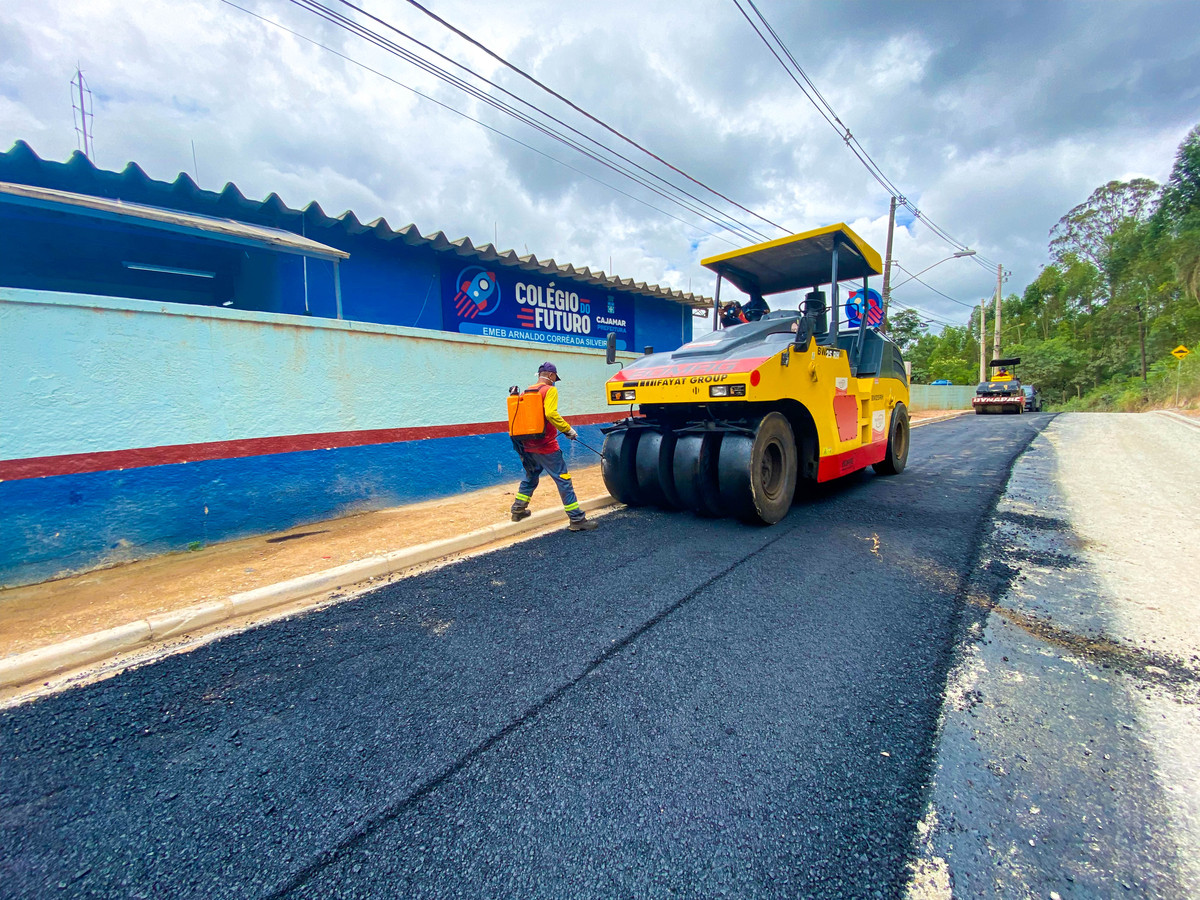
<point x="1124" y="263"/>
<point x="1185" y="253"/>
<point x="1054" y="366"/>
<point x="905" y="327"/>
<point x="1180" y="196"/>
<point x="1085" y="235"/>
<point x="1087" y="230"/>
<point x="1176" y="219"/>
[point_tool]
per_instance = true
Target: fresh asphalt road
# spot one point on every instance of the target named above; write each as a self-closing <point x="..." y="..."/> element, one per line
<point x="667" y="706"/>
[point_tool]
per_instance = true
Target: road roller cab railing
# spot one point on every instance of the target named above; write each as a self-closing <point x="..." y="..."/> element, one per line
<point x="744" y="419"/>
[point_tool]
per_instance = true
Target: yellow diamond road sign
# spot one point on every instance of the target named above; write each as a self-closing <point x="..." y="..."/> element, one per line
<point x="1180" y="352"/>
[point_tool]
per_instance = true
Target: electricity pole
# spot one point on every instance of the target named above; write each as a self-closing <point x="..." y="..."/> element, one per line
<point x="1142" y="336"/>
<point x="887" y="267"/>
<point x="983" y="339"/>
<point x="996" y="324"/>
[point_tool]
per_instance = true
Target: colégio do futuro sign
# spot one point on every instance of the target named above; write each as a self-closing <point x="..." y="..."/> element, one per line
<point x="496" y="302"/>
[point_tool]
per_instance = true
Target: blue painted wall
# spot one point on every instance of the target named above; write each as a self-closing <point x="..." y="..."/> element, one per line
<point x="386" y="280"/>
<point x="663" y="326"/>
<point x="70" y="523"/>
<point x="390" y="283"/>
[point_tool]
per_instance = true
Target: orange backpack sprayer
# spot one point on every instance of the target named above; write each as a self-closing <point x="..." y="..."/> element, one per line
<point x="526" y="414"/>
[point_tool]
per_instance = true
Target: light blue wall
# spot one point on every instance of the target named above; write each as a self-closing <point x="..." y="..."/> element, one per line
<point x="941" y="396"/>
<point x="84" y="374"/>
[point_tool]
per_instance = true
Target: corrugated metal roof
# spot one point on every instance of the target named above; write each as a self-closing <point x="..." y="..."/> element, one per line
<point x="169" y="219"/>
<point x="22" y="165"/>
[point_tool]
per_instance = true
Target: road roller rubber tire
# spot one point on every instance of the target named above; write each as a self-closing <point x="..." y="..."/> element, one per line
<point x="618" y="459"/>
<point x="695" y="470"/>
<point x="806" y="486"/>
<point x="896" y="455"/>
<point x="757" y="475"/>
<point x="654" y="470"/>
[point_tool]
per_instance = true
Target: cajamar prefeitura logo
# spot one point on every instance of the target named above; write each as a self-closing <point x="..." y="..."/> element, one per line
<point x="476" y="288"/>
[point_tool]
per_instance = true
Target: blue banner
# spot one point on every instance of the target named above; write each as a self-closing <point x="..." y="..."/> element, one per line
<point x="497" y="302"/>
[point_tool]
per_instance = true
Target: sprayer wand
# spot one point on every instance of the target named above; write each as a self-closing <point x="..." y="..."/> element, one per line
<point x="593" y="449"/>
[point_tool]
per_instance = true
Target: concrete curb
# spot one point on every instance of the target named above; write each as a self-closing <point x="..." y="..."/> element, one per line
<point x="942" y="418"/>
<point x="37" y="665"/>
<point x="1170" y="414"/>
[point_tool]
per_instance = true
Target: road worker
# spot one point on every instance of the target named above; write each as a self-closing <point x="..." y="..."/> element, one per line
<point x="756" y="308"/>
<point x="732" y="314"/>
<point x="543" y="455"/>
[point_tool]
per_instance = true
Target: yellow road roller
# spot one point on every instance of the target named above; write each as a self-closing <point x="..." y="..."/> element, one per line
<point x="1002" y="392"/>
<point x="742" y="421"/>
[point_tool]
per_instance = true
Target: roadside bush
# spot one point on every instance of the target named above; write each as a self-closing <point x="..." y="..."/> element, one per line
<point x="1131" y="395"/>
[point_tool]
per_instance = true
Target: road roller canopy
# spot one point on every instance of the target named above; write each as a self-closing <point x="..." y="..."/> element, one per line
<point x="1003" y="369"/>
<point x="797" y="261"/>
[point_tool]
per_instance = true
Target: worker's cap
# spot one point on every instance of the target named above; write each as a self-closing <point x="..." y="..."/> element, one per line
<point x="548" y="368"/>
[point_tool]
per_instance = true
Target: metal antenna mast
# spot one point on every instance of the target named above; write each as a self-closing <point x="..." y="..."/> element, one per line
<point x="81" y="114"/>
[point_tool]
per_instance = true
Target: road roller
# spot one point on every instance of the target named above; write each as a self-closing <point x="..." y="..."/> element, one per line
<point x="1002" y="392"/>
<point x="745" y="420"/>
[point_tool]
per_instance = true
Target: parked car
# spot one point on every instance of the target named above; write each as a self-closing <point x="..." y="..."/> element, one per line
<point x="940" y="381"/>
<point x="1033" y="400"/>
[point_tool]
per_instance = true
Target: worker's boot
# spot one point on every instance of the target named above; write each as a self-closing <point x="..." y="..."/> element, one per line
<point x="582" y="524"/>
<point x="520" y="511"/>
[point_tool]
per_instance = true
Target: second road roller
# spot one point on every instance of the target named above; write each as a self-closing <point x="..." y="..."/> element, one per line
<point x="743" y="421"/>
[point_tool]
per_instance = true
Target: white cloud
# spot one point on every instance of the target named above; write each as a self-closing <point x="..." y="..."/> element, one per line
<point x="995" y="118"/>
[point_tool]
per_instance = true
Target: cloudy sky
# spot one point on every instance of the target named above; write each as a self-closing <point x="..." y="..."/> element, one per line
<point x="993" y="118"/>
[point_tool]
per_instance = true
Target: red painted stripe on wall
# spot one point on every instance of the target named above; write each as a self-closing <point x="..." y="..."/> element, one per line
<point x="110" y="460"/>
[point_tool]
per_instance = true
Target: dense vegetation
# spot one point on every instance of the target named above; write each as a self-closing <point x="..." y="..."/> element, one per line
<point x="1125" y="265"/>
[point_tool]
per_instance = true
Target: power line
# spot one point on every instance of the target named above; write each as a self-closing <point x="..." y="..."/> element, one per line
<point x="384" y="43"/>
<point x="579" y="110"/>
<point x="831" y="117"/>
<point x="928" y="315"/>
<point x="471" y="118"/>
<point x="935" y="290"/>
<point x="429" y="67"/>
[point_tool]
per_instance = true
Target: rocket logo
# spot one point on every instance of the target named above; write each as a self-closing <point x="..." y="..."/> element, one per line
<point x="476" y="290"/>
<point x="854" y="309"/>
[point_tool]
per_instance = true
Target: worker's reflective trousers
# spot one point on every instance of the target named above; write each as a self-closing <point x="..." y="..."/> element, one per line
<point x="553" y="465"/>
